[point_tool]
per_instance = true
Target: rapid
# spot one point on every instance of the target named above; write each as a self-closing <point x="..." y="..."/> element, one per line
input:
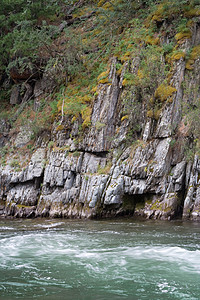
<point x="107" y="259"/>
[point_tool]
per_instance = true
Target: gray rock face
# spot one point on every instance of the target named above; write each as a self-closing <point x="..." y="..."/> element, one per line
<point x="23" y="137"/>
<point x="44" y="86"/>
<point x="25" y="195"/>
<point x="34" y="170"/>
<point x="82" y="184"/>
<point x="104" y="115"/>
<point x="72" y="181"/>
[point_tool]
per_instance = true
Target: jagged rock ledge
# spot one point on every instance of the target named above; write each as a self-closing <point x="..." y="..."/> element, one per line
<point x="142" y="182"/>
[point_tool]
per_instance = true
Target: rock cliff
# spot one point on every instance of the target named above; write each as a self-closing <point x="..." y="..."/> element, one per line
<point x="131" y="164"/>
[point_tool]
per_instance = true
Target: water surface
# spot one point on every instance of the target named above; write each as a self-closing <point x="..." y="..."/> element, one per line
<point x="83" y="260"/>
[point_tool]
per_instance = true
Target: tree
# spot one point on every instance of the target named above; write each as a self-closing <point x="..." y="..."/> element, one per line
<point x="22" y="31"/>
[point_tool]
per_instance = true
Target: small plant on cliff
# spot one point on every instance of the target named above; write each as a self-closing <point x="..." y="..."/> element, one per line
<point x="3" y="151"/>
<point x="104" y="170"/>
<point x="50" y="144"/>
<point x="76" y="154"/>
<point x="15" y="164"/>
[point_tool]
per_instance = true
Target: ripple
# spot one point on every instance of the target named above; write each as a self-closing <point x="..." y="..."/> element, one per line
<point x="89" y="261"/>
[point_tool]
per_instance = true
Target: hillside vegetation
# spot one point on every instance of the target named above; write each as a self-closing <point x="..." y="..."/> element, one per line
<point x="77" y="39"/>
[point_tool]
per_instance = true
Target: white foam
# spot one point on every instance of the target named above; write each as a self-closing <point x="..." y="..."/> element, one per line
<point x="48" y="226"/>
<point x="6" y="228"/>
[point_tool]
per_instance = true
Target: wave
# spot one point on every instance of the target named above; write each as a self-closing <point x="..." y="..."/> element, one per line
<point x="6" y="228"/>
<point x="48" y="226"/>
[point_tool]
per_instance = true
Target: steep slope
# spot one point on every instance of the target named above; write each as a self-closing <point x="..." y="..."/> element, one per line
<point x="123" y="138"/>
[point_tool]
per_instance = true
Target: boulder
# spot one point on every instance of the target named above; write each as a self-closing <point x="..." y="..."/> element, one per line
<point x="15" y="97"/>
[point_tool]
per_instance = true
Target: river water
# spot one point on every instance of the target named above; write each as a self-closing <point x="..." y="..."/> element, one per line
<point x="100" y="260"/>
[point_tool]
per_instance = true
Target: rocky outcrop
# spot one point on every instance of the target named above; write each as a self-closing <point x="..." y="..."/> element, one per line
<point x="15" y="95"/>
<point x="113" y="167"/>
<point x="141" y="182"/>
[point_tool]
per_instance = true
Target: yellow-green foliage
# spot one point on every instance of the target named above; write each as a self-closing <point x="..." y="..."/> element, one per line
<point x="101" y="3"/>
<point x="103" y="77"/>
<point x="163" y="92"/>
<point x="104" y="170"/>
<point x="108" y="6"/>
<point x="23" y="206"/>
<point x="195" y="54"/>
<point x="176" y="55"/>
<point x="74" y="119"/>
<point x="150" y="113"/>
<point x="129" y="81"/>
<point x="14" y="163"/>
<point x="86" y="116"/>
<point x="140" y="74"/>
<point x="156" y="205"/>
<point x="158" y="14"/>
<point x="94" y="89"/>
<point x="124" y="118"/>
<point x="151" y="101"/>
<point x="189" y="64"/>
<point x="154" y="110"/>
<point x="157" y="113"/>
<point x="152" y="41"/>
<point x="77" y="101"/>
<point x="59" y="127"/>
<point x="119" y="71"/>
<point x="183" y="35"/>
<point x="86" y="98"/>
<point x="165" y="10"/>
<point x="104" y="80"/>
<point x="126" y="56"/>
<point x="125" y="82"/>
<point x="193" y="12"/>
<point x="83" y="11"/>
<point x="169" y="9"/>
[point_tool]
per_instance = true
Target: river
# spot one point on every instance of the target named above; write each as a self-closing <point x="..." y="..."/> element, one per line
<point x="100" y="260"/>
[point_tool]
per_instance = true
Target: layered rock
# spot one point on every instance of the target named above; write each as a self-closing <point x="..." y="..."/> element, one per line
<point x="141" y="182"/>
